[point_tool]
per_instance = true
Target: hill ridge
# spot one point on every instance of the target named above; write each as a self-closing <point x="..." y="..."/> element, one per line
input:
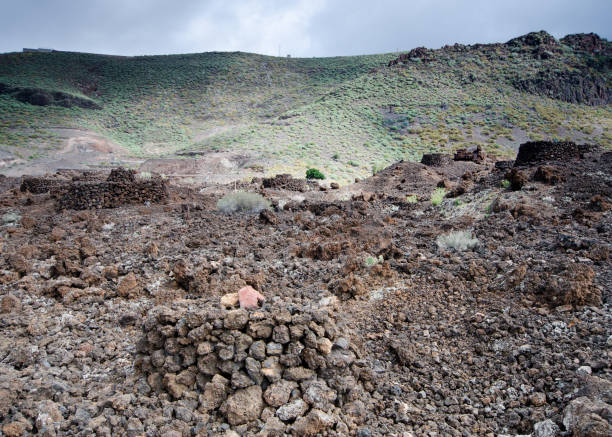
<point x="346" y="115"/>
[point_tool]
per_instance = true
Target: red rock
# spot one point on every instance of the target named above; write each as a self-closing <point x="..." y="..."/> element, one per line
<point x="249" y="297"/>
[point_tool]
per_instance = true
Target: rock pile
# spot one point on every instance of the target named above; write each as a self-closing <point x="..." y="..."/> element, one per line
<point x="422" y="54"/>
<point x="285" y="182"/>
<point x="473" y="154"/>
<point x="504" y="165"/>
<point x="534" y="152"/>
<point x="285" y="367"/>
<point x="89" y="195"/>
<point x="580" y="86"/>
<point x="588" y="42"/>
<point x="436" y="159"/>
<point x="548" y="174"/>
<point x="122" y="175"/>
<point x="40" y="185"/>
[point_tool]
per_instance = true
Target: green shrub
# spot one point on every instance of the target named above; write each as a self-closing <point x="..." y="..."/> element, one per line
<point x="371" y="261"/>
<point x="505" y="183"/>
<point x="437" y="196"/>
<point x="313" y="173"/>
<point x="459" y="240"/>
<point x="377" y="168"/>
<point x="412" y="198"/>
<point x="241" y="201"/>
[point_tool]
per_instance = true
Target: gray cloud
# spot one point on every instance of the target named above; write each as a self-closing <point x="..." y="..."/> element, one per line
<point x="298" y="27"/>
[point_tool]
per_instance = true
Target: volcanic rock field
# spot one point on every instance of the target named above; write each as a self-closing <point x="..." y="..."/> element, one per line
<point x="385" y="312"/>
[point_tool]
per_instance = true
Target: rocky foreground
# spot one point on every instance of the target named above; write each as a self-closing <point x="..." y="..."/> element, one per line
<point x="380" y="317"/>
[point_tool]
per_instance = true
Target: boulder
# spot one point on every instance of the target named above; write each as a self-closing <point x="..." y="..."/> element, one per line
<point x="244" y="405"/>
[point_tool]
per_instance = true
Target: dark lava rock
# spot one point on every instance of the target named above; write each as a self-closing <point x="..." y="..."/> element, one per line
<point x="588" y="42"/>
<point x="470" y="154"/>
<point x="548" y="174"/>
<point x="504" y="165"/>
<point x="436" y="159"/>
<point x="579" y="86"/>
<point x="516" y="178"/>
<point x="533" y="39"/>
<point x="40" y="97"/>
<point x="534" y="152"/>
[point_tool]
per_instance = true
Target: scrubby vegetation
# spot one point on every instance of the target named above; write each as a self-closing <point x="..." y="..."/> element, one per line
<point x="299" y="113"/>
<point x="371" y="261"/>
<point x="242" y="201"/>
<point x="437" y="196"/>
<point x="459" y="241"/>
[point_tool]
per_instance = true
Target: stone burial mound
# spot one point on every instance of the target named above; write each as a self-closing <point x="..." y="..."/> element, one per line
<point x="281" y="368"/>
<point x="436" y="159"/>
<point x="120" y="188"/>
<point x="537" y="152"/>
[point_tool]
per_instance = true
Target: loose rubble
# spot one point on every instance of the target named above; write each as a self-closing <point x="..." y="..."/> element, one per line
<point x="335" y="313"/>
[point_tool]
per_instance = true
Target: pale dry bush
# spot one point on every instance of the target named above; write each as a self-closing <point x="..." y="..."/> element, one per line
<point x="242" y="201"/>
<point x="458" y="240"/>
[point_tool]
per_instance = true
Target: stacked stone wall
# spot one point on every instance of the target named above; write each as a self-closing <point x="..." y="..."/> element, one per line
<point x="286" y="364"/>
<point x="40" y="185"/>
<point x="436" y="159"/>
<point x="88" y="195"/>
<point x="535" y="152"/>
<point x="285" y="182"/>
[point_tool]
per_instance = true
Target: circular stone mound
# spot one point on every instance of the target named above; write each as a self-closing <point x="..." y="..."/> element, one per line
<point x="436" y="159"/>
<point x="535" y="152"/>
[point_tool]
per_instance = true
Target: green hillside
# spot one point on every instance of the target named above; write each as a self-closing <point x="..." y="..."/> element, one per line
<point x="345" y="115"/>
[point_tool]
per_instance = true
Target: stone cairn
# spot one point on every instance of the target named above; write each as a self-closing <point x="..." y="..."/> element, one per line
<point x="284" y="366"/>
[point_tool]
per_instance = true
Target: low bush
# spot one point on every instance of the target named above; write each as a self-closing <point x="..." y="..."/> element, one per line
<point x="10" y="218"/>
<point x="313" y="173"/>
<point x="459" y="240"/>
<point x="242" y="201"/>
<point x="437" y="196"/>
<point x="377" y="168"/>
<point x="371" y="261"/>
<point x="144" y="175"/>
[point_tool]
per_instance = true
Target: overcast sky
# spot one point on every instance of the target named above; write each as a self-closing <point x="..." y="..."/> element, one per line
<point x="298" y="27"/>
